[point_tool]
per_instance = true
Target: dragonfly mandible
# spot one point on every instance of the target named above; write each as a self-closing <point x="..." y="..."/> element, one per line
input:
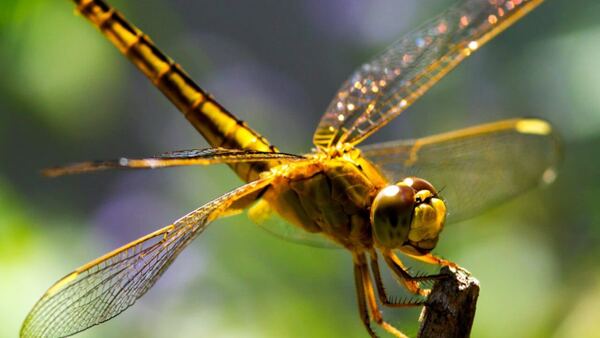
<point x="378" y="200"/>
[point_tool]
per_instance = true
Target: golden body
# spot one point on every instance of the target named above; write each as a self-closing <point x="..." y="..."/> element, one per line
<point x="330" y="196"/>
<point x="364" y="200"/>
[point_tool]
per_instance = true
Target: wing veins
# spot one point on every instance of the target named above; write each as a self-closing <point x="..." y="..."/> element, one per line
<point x="105" y="287"/>
<point x="208" y="156"/>
<point x="380" y="90"/>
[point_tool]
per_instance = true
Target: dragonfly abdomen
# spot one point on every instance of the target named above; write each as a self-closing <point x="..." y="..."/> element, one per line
<point x="218" y="126"/>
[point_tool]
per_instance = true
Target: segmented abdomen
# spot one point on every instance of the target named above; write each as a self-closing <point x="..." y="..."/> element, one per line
<point x="218" y="126"/>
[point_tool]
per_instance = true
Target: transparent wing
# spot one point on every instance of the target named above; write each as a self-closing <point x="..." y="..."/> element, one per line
<point x="105" y="287"/>
<point x="477" y="167"/>
<point x="176" y="158"/>
<point x="381" y="89"/>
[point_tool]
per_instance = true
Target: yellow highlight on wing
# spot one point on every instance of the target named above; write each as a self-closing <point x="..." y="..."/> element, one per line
<point x="533" y="126"/>
<point x="66" y="280"/>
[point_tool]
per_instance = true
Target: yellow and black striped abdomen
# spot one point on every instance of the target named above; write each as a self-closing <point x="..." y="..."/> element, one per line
<point x="218" y="126"/>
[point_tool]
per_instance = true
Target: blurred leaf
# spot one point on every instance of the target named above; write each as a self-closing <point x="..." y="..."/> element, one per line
<point x="71" y="83"/>
<point x="563" y="81"/>
<point x="582" y="318"/>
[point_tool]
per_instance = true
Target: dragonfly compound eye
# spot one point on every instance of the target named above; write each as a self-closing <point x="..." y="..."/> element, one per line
<point x="391" y="215"/>
<point x="419" y="184"/>
<point x="408" y="215"/>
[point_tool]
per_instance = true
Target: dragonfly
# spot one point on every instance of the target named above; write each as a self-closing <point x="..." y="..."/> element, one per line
<point x="376" y="201"/>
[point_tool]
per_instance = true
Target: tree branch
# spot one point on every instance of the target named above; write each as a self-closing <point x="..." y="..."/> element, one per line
<point x="450" y="308"/>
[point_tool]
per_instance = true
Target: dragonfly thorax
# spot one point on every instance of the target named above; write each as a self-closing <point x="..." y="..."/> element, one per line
<point x="408" y="215"/>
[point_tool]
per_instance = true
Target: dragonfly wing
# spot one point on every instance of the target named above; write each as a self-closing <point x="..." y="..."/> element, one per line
<point x="105" y="287"/>
<point x="381" y="89"/>
<point x="206" y="156"/>
<point x="475" y="168"/>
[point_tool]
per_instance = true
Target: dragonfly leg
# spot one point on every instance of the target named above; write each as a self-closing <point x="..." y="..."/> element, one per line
<point x="367" y="300"/>
<point x="410" y="282"/>
<point x="362" y="305"/>
<point x="383" y="297"/>
<point x="435" y="260"/>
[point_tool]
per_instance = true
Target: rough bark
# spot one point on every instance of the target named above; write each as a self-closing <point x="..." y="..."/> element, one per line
<point x="450" y="308"/>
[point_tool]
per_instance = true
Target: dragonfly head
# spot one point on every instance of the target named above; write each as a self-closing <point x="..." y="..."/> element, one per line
<point x="408" y="215"/>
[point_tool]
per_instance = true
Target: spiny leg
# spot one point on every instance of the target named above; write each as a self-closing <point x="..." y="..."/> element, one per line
<point x="402" y="275"/>
<point x="360" y="296"/>
<point x="383" y="297"/>
<point x="435" y="260"/>
<point x="432" y="259"/>
<point x="366" y="298"/>
<point x="411" y="282"/>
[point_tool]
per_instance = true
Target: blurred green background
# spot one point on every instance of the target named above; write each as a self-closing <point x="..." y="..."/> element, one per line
<point x="66" y="95"/>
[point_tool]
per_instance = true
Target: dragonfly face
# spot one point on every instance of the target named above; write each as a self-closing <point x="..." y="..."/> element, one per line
<point x="340" y="192"/>
<point x="408" y="214"/>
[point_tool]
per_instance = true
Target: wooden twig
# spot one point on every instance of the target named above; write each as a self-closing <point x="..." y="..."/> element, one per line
<point x="450" y="308"/>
